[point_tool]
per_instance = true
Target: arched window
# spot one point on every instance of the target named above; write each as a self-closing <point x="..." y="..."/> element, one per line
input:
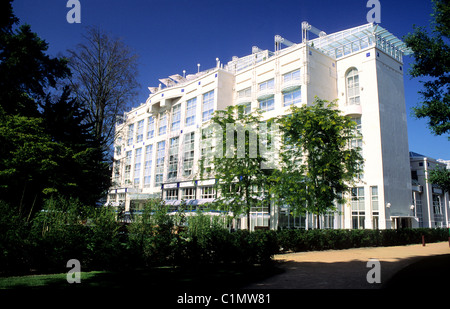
<point x="352" y="79"/>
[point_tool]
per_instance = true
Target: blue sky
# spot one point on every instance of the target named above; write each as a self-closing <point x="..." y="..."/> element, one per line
<point x="174" y="35"/>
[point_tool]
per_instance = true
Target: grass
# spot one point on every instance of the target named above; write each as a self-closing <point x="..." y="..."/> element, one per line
<point x="158" y="278"/>
<point x="39" y="281"/>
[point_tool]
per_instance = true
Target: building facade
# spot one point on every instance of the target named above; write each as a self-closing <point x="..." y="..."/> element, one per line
<point x="430" y="204"/>
<point x="159" y="143"/>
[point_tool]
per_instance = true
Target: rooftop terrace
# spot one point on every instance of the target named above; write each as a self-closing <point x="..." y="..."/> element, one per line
<point x="335" y="45"/>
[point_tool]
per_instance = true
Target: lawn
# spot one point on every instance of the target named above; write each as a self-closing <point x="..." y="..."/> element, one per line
<point x="158" y="278"/>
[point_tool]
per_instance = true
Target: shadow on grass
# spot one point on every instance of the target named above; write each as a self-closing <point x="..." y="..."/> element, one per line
<point x="158" y="278"/>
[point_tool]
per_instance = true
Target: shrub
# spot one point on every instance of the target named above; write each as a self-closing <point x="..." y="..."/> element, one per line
<point x="150" y="235"/>
<point x="66" y="229"/>
<point x="14" y="244"/>
<point x="307" y="240"/>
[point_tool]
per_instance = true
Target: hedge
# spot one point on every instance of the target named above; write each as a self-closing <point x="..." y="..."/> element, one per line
<point x="99" y="242"/>
<point x="308" y="240"/>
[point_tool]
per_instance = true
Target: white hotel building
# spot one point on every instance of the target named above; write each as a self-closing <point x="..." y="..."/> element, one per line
<point x="159" y="142"/>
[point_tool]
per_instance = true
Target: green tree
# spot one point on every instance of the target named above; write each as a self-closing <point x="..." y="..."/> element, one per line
<point x="441" y="177"/>
<point x="234" y="157"/>
<point x="46" y="145"/>
<point x="432" y="65"/>
<point x="28" y="159"/>
<point x="318" y="163"/>
<point x="82" y="171"/>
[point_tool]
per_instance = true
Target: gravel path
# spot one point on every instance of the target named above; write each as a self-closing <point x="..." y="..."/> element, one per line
<point x="345" y="269"/>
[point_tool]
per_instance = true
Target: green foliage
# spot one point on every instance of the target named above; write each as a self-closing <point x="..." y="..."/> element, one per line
<point x="151" y="234"/>
<point x="28" y="158"/>
<point x="47" y="145"/>
<point x="441" y="177"/>
<point x="317" y="164"/>
<point x="309" y="240"/>
<point x="14" y="246"/>
<point x="58" y="234"/>
<point x="66" y="229"/>
<point x="238" y="161"/>
<point x="432" y="65"/>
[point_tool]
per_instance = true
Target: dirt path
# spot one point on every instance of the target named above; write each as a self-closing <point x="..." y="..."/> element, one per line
<point x="345" y="269"/>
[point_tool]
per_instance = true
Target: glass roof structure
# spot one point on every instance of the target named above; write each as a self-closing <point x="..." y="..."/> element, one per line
<point x="348" y="41"/>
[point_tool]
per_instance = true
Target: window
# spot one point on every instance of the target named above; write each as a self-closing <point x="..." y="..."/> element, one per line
<point x="172" y="194"/>
<point x="162" y="124"/>
<point x="127" y="166"/>
<point x="437" y="205"/>
<point x="358" y="124"/>
<point x="150" y="127"/>
<point x="116" y="169"/>
<point x="417" y="202"/>
<point x="245" y="108"/>
<point x="246" y="93"/>
<point x="140" y="131"/>
<point x="191" y="106"/>
<point x="188" y="153"/>
<point x="130" y="134"/>
<point x="291" y="76"/>
<point x="358" y="208"/>
<point x="353" y="87"/>
<point x="292" y="97"/>
<point x="266" y="104"/>
<point x="112" y="197"/>
<point x="328" y="220"/>
<point x="160" y="153"/>
<point x="119" y="146"/>
<point x="176" y="117"/>
<point x="137" y="167"/>
<point x="173" y="158"/>
<point x="357" y="144"/>
<point x="267" y="85"/>
<point x="208" y="105"/>
<point x="148" y="165"/>
<point x="207" y="192"/>
<point x="207" y="148"/>
<point x="188" y="193"/>
<point x="374" y="206"/>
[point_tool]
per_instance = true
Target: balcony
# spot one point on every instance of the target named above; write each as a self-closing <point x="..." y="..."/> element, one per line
<point x="291" y="84"/>
<point x="243" y="98"/>
<point x="352" y="110"/>
<point x="266" y="93"/>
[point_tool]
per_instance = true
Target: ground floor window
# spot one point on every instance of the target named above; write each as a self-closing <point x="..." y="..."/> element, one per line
<point x="328" y="221"/>
<point x="417" y="202"/>
<point x="188" y="193"/>
<point x="374" y="206"/>
<point x="208" y="192"/>
<point x="358" y="208"/>
<point x="171" y="194"/>
<point x="112" y="197"/>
